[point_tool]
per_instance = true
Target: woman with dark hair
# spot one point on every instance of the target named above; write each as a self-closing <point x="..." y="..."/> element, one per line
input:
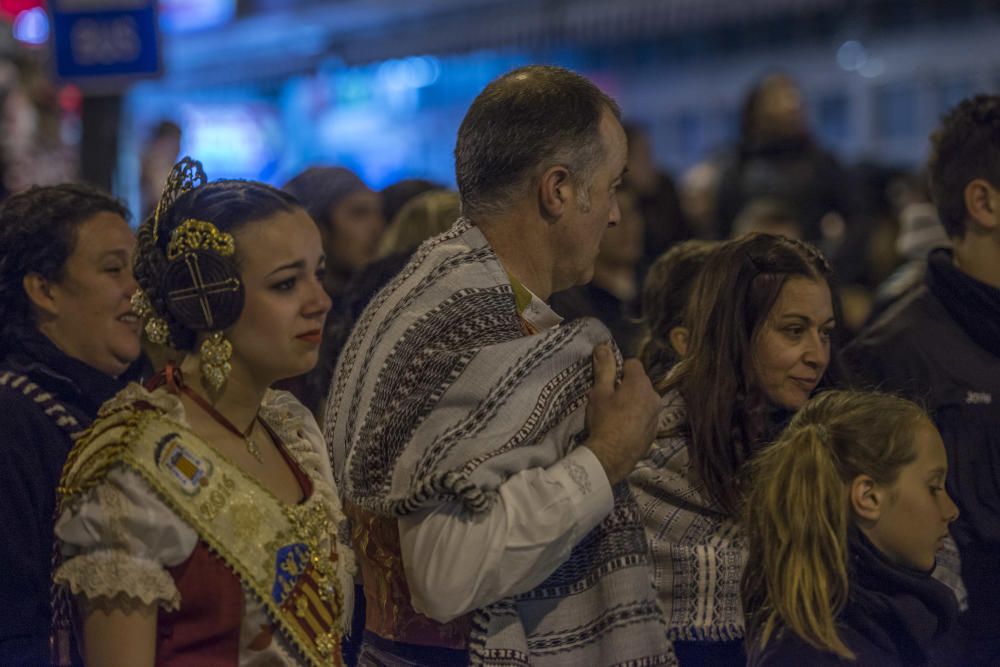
<point x="843" y="521"/>
<point x="761" y="318"/>
<point x="199" y="519"/>
<point x="68" y="343"/>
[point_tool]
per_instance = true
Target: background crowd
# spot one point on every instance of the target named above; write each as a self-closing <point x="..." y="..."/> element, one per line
<point x="801" y="462"/>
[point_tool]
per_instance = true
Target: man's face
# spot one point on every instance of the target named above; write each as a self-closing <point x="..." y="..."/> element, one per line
<point x="591" y="211"/>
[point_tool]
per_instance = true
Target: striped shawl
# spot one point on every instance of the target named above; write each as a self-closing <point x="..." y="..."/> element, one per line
<point x="439" y="396"/>
<point x="698" y="553"/>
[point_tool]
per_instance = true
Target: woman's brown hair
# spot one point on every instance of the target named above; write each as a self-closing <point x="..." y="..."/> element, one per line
<point x="733" y="295"/>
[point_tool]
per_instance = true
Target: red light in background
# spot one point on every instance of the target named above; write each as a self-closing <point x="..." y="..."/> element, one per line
<point x="9" y="9"/>
<point x="70" y="99"/>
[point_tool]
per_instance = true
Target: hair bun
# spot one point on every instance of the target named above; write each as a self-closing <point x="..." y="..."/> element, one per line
<point x="203" y="290"/>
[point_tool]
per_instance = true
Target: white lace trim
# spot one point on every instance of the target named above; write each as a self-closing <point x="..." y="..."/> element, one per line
<point x="112" y="574"/>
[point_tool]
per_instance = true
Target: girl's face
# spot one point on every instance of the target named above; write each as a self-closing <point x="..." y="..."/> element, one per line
<point x="915" y="510"/>
<point x="792" y="348"/>
<point x="280" y="329"/>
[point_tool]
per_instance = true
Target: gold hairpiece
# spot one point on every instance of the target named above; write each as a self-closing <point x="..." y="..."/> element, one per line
<point x="200" y="235"/>
<point x="186" y="175"/>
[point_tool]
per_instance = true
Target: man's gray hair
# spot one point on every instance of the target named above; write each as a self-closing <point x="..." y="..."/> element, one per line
<point x="531" y="118"/>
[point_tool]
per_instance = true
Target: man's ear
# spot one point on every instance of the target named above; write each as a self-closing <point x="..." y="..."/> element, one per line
<point x="555" y="189"/>
<point x="868" y="499"/>
<point x="982" y="203"/>
<point x="39" y="291"/>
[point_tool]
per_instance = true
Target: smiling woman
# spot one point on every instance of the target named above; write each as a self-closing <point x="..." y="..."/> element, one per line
<point x="199" y="519"/>
<point x="761" y="320"/>
<point x="69" y="339"/>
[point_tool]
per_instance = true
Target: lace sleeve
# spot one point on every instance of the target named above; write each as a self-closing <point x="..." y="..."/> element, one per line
<point x="117" y="541"/>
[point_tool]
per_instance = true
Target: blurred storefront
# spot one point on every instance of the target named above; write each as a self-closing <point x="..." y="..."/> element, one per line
<point x="263" y="88"/>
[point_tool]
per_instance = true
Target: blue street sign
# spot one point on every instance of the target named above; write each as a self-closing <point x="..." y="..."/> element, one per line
<point x="105" y="39"/>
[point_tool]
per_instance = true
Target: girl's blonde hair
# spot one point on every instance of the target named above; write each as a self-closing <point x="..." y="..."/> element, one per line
<point x="797" y="511"/>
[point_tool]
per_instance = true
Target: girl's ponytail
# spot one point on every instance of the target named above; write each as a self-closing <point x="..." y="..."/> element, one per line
<point x="797" y="511"/>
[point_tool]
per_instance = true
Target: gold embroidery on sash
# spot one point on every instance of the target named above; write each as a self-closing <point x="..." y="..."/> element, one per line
<point x="286" y="554"/>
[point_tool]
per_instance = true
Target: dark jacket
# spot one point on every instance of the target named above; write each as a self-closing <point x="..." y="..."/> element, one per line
<point x="940" y="346"/>
<point x="894" y="617"/>
<point x="33" y="449"/>
<point x="592" y="300"/>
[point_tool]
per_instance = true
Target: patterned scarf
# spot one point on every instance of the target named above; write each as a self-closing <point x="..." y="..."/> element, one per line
<point x="439" y="396"/>
<point x="698" y="552"/>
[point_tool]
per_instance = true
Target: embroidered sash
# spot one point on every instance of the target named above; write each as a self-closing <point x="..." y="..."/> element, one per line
<point x="284" y="553"/>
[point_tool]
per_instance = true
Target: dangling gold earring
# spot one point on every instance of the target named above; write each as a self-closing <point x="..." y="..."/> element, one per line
<point x="215" y="354"/>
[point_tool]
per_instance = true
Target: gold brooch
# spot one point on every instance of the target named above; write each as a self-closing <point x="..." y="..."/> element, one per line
<point x="200" y="235"/>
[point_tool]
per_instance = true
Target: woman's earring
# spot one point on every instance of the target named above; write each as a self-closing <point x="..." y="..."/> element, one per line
<point x="215" y="354"/>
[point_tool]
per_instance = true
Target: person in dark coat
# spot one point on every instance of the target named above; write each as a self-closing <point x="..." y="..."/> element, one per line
<point x="845" y="515"/>
<point x="69" y="342"/>
<point x="778" y="158"/>
<point x="941" y="345"/>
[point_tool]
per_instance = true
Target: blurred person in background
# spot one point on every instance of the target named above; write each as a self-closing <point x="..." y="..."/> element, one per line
<point x="69" y="342"/>
<point x="489" y="527"/>
<point x="698" y="190"/>
<point x="777" y="156"/>
<point x="425" y="215"/>
<point x="349" y="217"/>
<point x="395" y="196"/>
<point x="940" y="344"/>
<point x="33" y="146"/>
<point x="655" y="197"/>
<point x="761" y="326"/>
<point x="158" y="158"/>
<point x="666" y="292"/>
<point x="920" y="232"/>
<point x="612" y="294"/>
<point x="768" y="215"/>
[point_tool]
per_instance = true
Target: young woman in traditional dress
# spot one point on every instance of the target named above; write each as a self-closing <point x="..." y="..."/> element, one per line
<point x="761" y="320"/>
<point x="199" y="521"/>
<point x="846" y="513"/>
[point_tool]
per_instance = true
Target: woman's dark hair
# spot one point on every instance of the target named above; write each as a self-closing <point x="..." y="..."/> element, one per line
<point x="38" y="231"/>
<point x="227" y="204"/>
<point x="733" y="295"/>
<point x="319" y="189"/>
<point x="665" y="294"/>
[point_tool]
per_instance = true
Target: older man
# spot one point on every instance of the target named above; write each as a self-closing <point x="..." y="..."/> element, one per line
<point x="481" y="447"/>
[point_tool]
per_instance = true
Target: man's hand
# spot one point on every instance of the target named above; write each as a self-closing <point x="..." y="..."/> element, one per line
<point x="621" y="420"/>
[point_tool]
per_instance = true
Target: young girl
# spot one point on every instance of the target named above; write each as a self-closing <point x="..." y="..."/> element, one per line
<point x="843" y="520"/>
<point x="199" y="520"/>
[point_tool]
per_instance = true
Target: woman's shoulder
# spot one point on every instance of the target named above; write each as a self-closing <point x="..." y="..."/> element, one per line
<point x="298" y="430"/>
<point x="119" y="430"/>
